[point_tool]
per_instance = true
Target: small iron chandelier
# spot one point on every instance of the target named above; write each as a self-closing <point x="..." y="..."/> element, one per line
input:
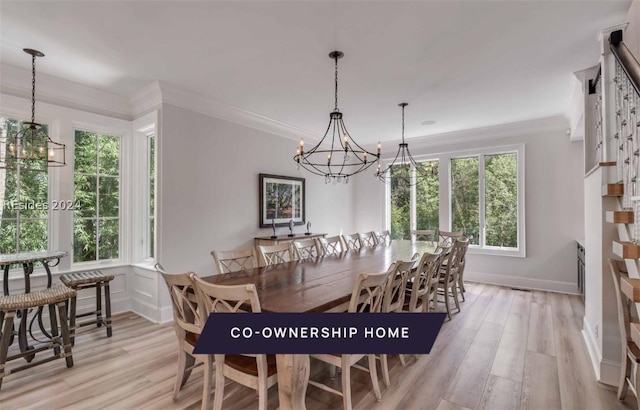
<point x="340" y="158"/>
<point x="403" y="171"/>
<point x="31" y="144"/>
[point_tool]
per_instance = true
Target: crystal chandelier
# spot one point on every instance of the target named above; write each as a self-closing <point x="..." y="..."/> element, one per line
<point x="31" y="144"/>
<point x="337" y="156"/>
<point x="404" y="171"/>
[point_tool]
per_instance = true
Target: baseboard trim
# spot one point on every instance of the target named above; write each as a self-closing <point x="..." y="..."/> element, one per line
<point x="524" y="283"/>
<point x="152" y="313"/>
<point x="592" y="347"/>
<point x="609" y="372"/>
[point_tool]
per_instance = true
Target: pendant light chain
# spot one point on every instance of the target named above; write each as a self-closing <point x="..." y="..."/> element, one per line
<point x="33" y="89"/>
<point x="336" y="74"/>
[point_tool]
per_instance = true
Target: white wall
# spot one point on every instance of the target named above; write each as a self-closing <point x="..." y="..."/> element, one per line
<point x="209" y="188"/>
<point x="554" y="209"/>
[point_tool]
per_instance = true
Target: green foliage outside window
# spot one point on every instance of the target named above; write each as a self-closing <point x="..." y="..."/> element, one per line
<point x="501" y="199"/>
<point x="427" y="200"/>
<point x="97" y="193"/>
<point x="465" y="197"/>
<point x="23" y="201"/>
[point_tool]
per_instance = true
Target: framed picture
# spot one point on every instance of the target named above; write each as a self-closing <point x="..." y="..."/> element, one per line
<point x="281" y="200"/>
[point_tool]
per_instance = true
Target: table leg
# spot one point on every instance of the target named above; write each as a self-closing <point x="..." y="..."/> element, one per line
<point x="5" y="280"/>
<point x="293" y="377"/>
<point x="22" y="330"/>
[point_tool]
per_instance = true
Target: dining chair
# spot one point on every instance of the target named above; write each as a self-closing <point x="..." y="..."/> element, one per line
<point x="630" y="352"/>
<point x="367" y="239"/>
<point x="306" y="249"/>
<point x="276" y="254"/>
<point x="257" y="371"/>
<point x="188" y="321"/>
<point x="448" y="281"/>
<point x="352" y="242"/>
<point x="422" y="287"/>
<point x="393" y="301"/>
<point x="445" y="237"/>
<point x="366" y="297"/>
<point x="331" y="245"/>
<point x="233" y="261"/>
<point x="383" y="238"/>
<point x="429" y="235"/>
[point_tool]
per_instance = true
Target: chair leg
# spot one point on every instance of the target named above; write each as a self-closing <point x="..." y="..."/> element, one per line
<point x="66" y="338"/>
<point x="446" y="301"/>
<point x="206" y="389"/>
<point x="454" y="289"/>
<point x="373" y="371"/>
<point x="262" y="389"/>
<point x="54" y="330"/>
<point x="346" y="382"/>
<point x="218" y="397"/>
<point x="72" y="320"/>
<point x="180" y="379"/>
<point x="625" y="372"/>
<point x="636" y="380"/>
<point x="402" y="360"/>
<point x="385" y="370"/>
<point x="7" y="328"/>
<point x="98" y="304"/>
<point x="107" y="307"/>
<point x="332" y="371"/>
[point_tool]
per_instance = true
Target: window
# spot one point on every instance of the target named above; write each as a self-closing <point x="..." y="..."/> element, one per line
<point x="480" y="193"/>
<point x="495" y="223"/>
<point x="96" y="229"/>
<point x="151" y="142"/>
<point x="24" y="211"/>
<point x="423" y="198"/>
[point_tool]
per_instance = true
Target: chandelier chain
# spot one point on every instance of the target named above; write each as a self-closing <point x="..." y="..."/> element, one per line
<point x="33" y="88"/>
<point x="336" y="75"/>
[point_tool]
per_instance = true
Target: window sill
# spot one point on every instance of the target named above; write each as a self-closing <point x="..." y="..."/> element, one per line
<point x="515" y="253"/>
<point x="148" y="264"/>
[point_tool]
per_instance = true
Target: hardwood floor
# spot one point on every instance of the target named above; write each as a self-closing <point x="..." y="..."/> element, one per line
<point x="507" y="349"/>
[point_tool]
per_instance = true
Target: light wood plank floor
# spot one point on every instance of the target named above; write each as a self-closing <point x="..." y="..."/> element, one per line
<point x="507" y="349"/>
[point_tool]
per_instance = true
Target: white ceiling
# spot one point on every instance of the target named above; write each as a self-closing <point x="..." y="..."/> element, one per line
<point x="463" y="64"/>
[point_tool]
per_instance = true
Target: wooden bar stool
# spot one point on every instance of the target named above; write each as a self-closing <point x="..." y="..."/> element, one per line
<point x="9" y="305"/>
<point x="85" y="280"/>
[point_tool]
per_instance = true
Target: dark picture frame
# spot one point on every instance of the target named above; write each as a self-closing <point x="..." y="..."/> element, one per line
<point x="282" y="198"/>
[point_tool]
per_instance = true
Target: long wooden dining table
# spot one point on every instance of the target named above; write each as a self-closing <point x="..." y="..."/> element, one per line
<point x="314" y="285"/>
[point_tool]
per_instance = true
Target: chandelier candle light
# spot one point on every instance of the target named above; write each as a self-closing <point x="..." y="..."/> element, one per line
<point x="404" y="170"/>
<point x="31" y="144"/>
<point x="341" y="157"/>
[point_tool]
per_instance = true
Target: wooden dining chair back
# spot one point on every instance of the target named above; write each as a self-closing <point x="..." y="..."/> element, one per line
<point x="367" y="239"/>
<point x="393" y="301"/>
<point x="446" y="276"/>
<point x="448" y="238"/>
<point x="383" y="238"/>
<point x="366" y="297"/>
<point x="332" y="245"/>
<point x="352" y="242"/>
<point x="189" y="318"/>
<point x="630" y="352"/>
<point x="233" y="261"/>
<point x="423" y="283"/>
<point x="306" y="249"/>
<point x="255" y="371"/>
<point x="428" y="235"/>
<point x="275" y="254"/>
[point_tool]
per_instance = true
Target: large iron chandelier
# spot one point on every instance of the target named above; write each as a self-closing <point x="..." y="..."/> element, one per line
<point x="340" y="158"/>
<point x="30" y="145"/>
<point x="404" y="171"/>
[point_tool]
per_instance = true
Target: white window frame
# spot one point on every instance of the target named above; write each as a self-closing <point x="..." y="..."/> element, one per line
<point x="122" y="194"/>
<point x="444" y="172"/>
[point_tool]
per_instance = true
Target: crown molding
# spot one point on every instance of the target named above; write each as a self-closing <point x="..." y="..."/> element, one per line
<point x="16" y="81"/>
<point x="516" y="129"/>
<point x="213" y="108"/>
<point x="145" y="100"/>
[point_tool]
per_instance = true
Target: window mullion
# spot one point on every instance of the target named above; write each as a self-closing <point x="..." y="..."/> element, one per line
<point x="413" y="202"/>
<point x="482" y="213"/>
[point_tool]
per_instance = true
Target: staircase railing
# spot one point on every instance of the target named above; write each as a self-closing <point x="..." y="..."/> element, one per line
<point x="595" y="87"/>
<point x="626" y="138"/>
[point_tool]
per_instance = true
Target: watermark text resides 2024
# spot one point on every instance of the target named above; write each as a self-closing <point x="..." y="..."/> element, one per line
<point x="65" y="205"/>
